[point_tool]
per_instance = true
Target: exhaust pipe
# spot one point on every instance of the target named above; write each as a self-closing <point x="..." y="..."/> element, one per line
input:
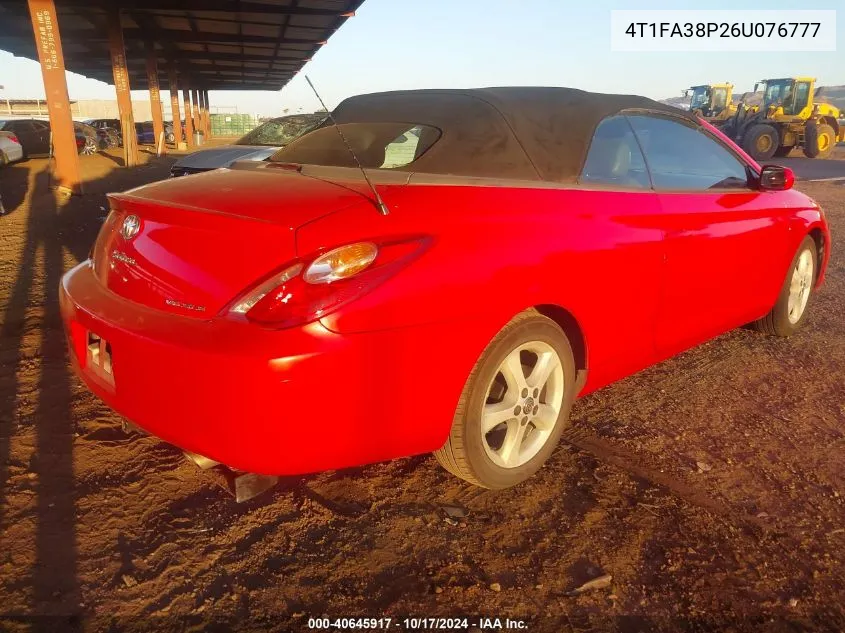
<point x="245" y="486"/>
<point x="241" y="485"/>
<point x="202" y="461"/>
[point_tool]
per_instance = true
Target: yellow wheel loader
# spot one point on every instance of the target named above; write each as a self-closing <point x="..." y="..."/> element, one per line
<point x="789" y="116"/>
<point x="712" y="102"/>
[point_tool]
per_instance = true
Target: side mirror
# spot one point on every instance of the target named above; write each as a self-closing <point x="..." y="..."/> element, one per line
<point x="776" y="178"/>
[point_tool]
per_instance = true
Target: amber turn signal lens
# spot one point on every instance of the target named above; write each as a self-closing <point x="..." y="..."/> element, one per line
<point x="341" y="263"/>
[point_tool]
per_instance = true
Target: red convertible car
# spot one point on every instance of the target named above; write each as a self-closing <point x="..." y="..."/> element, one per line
<point x="510" y="250"/>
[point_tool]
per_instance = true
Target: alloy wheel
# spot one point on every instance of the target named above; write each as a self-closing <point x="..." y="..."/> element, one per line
<point x="89" y="148"/>
<point x="523" y="404"/>
<point x="800" y="286"/>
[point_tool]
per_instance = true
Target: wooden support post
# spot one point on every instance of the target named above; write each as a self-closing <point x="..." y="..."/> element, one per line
<point x="203" y="114"/>
<point x="189" y="124"/>
<point x="45" y="26"/>
<point x="174" y="109"/>
<point x="195" y="109"/>
<point x="121" y="86"/>
<point x="208" y="114"/>
<point x="155" y="99"/>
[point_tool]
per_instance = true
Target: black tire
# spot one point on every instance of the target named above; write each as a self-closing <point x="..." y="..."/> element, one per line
<point x="783" y="150"/>
<point x="776" y="322"/>
<point x="464" y="453"/>
<point x="819" y="140"/>
<point x="761" y="141"/>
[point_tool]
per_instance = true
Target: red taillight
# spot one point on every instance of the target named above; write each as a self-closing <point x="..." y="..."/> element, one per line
<point x="14" y="139"/>
<point x="80" y="142"/>
<point x="292" y="297"/>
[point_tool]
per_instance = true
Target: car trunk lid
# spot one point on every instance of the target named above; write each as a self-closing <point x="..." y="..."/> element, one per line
<point x="202" y="241"/>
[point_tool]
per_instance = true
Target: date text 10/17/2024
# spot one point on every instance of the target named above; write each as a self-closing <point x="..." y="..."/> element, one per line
<point x="417" y="624"/>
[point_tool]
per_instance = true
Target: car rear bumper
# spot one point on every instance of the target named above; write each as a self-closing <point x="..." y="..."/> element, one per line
<point x="13" y="152"/>
<point x="266" y="401"/>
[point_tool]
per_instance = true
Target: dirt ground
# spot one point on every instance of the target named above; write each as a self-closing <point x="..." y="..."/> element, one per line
<point x="710" y="488"/>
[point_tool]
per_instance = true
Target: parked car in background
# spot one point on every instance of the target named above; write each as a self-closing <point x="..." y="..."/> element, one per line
<point x="10" y="148"/>
<point x="146" y="133"/>
<point x="88" y="139"/>
<point x="109" y="138"/>
<point x="169" y="134"/>
<point x="111" y="124"/>
<point x="33" y="135"/>
<point x="523" y="247"/>
<point x="110" y="130"/>
<point x="258" y="144"/>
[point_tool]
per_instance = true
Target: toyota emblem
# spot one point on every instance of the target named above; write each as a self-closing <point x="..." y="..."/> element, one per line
<point x="131" y="226"/>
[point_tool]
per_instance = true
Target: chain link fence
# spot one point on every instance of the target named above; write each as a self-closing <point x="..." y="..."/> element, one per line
<point x="232" y="124"/>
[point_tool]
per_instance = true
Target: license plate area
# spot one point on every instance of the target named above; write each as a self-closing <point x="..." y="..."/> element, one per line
<point x="99" y="357"/>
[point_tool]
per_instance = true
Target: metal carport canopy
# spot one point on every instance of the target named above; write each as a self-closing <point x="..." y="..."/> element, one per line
<point x="213" y="44"/>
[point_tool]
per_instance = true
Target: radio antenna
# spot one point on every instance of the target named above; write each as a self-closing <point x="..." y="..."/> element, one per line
<point x="380" y="205"/>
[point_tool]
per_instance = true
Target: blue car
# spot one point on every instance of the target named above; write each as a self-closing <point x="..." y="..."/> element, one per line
<point x="146" y="135"/>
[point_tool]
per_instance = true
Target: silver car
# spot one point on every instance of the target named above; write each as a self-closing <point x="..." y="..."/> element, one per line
<point x="260" y="143"/>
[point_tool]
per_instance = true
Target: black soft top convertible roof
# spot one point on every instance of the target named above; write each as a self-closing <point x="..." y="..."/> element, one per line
<point x="532" y="133"/>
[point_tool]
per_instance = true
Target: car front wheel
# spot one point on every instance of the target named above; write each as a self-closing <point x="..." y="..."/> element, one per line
<point x="791" y="306"/>
<point x="514" y="405"/>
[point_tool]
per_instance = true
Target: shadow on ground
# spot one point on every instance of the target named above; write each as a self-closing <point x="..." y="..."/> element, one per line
<point x="58" y="233"/>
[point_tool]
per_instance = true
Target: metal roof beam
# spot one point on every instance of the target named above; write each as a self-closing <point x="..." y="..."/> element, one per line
<point x="225" y="6"/>
<point x="181" y="35"/>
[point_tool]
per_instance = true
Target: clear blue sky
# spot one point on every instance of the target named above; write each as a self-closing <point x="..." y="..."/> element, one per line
<point x="392" y="44"/>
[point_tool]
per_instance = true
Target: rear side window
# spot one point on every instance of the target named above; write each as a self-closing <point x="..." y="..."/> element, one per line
<point x="20" y="126"/>
<point x="683" y="158"/>
<point x="614" y="158"/>
<point x="403" y="149"/>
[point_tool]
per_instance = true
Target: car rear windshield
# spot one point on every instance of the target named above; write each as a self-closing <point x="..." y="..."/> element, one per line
<point x="279" y="132"/>
<point x="376" y="145"/>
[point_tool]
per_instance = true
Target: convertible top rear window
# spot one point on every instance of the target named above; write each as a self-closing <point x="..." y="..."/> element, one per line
<point x="376" y="145"/>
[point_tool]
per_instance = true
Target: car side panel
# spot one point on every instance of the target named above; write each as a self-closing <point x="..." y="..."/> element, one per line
<point x="727" y="259"/>
<point x="43" y="131"/>
<point x="721" y="251"/>
<point x="500" y="250"/>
